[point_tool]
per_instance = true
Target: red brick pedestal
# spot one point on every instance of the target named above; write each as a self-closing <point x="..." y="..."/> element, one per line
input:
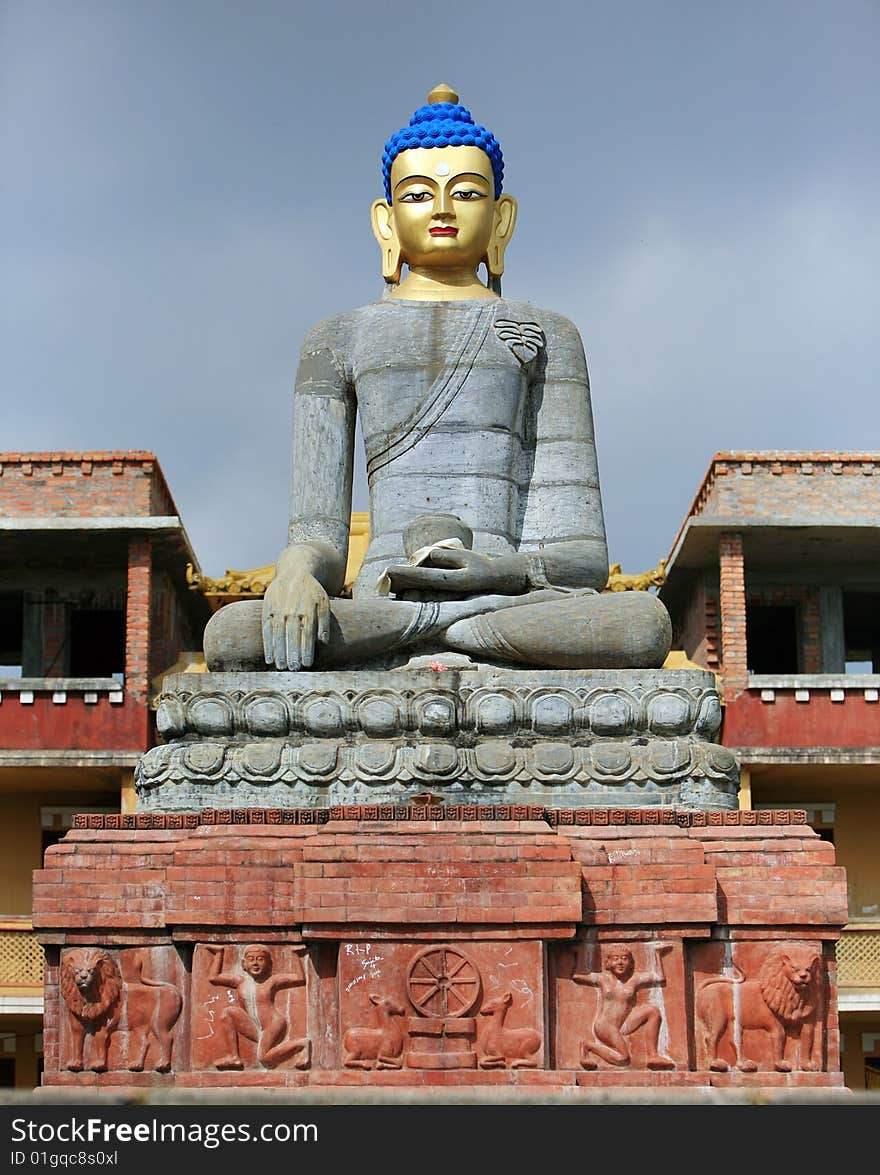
<point x="446" y="945"/>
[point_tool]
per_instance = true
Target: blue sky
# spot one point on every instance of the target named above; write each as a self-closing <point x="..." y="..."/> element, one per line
<point x="185" y="186"/>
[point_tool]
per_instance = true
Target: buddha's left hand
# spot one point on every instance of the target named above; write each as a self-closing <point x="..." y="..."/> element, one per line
<point x="468" y="572"/>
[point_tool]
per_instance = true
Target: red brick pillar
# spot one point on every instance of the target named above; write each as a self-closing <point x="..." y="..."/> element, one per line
<point x="811" y="632"/>
<point x="137" y="625"/>
<point x="733" y="615"/>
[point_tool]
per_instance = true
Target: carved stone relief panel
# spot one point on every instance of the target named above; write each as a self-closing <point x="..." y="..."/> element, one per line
<point x="445" y="1005"/>
<point x="121" y="1009"/>
<point x="250" y="1007"/>
<point x="620" y="1006"/>
<point x="759" y="1006"/>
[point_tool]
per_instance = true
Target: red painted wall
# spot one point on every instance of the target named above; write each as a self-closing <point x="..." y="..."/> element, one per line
<point x="749" y="722"/>
<point x="72" y="725"/>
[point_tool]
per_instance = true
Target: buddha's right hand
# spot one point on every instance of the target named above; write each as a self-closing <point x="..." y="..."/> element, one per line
<point x="296" y="614"/>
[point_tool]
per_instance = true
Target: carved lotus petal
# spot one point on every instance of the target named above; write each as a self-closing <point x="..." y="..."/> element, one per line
<point x="266" y="714"/>
<point x="611" y="714"/>
<point x="495" y="714"/>
<point x="379" y="717"/>
<point x="437" y="716"/>
<point x="709" y="718"/>
<point x="720" y="763"/>
<point x="612" y="759"/>
<point x="211" y="715"/>
<point x="553" y="714"/>
<point x="204" y="758"/>
<point x="436" y="759"/>
<point x="377" y="758"/>
<point x="154" y="763"/>
<point x="170" y="721"/>
<point x="669" y="714"/>
<point x="669" y="758"/>
<point x="318" y="758"/>
<point x="554" y="759"/>
<point x="495" y="758"/>
<point x="262" y="759"/>
<point x="323" y="716"/>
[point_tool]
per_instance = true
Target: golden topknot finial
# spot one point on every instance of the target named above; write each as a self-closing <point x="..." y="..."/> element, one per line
<point x="442" y="93"/>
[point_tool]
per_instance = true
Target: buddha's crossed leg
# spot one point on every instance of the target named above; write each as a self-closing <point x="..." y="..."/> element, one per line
<point x="545" y="629"/>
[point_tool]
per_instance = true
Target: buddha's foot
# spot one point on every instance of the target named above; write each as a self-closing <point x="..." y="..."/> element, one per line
<point x="620" y="630"/>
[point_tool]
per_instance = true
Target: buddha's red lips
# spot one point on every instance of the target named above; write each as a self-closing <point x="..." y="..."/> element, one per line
<point x="443" y="232"/>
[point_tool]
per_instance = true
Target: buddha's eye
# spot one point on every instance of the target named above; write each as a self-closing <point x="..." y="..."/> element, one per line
<point x="468" y="194"/>
<point x="415" y="197"/>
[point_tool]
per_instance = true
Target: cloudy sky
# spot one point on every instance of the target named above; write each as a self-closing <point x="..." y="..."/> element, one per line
<point x="185" y="185"/>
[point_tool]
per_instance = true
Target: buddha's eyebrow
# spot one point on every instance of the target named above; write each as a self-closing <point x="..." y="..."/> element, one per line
<point x="469" y="175"/>
<point x="415" y="179"/>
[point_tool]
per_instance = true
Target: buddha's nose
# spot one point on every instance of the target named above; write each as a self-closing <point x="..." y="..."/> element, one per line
<point x="444" y="206"/>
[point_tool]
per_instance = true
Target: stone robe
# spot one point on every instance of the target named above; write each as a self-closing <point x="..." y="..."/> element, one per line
<point x="478" y="409"/>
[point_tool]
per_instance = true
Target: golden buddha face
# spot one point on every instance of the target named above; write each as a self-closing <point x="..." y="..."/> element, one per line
<point x="443" y="214"/>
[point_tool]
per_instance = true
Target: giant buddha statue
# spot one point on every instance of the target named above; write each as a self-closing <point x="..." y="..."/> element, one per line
<point x="486" y="529"/>
<point x="477" y="657"/>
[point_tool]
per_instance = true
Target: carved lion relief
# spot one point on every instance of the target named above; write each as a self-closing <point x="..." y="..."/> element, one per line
<point x="777" y="1002"/>
<point x="139" y="1013"/>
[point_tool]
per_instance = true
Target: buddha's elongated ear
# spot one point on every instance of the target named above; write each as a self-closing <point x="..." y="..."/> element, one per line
<point x="382" y="220"/>
<point x="502" y="230"/>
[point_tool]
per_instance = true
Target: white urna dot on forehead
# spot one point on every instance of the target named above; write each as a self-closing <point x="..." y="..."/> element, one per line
<point x="441" y="169"/>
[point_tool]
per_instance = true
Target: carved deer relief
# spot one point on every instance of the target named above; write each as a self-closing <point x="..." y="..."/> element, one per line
<point x="379" y="1045"/>
<point x="500" y="1047"/>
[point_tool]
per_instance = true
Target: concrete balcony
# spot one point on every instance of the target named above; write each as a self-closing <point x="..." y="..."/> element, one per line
<point x="21" y="967"/>
<point x="803" y="715"/>
<point x="67" y="714"/>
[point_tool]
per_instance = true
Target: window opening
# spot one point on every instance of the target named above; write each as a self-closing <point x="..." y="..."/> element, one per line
<point x="11" y="633"/>
<point x="97" y="642"/>
<point x="772" y="638"/>
<point x="861" y="632"/>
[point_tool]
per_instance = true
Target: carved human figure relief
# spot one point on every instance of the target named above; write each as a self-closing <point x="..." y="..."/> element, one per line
<point x="254" y="1011"/>
<point x="782" y="1003"/>
<point x="619" y="1013"/>
<point x="98" y="1001"/>
<point x="378" y="1045"/>
<point x="501" y="1047"/>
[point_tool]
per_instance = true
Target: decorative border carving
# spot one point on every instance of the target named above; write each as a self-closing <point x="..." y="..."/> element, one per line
<point x="555" y="817"/>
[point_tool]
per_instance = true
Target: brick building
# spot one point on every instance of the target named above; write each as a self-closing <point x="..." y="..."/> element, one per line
<point x="774" y="582"/>
<point x="93" y="605"/>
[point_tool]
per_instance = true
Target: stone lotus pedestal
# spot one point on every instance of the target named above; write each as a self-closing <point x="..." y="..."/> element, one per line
<point x="471" y="734"/>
